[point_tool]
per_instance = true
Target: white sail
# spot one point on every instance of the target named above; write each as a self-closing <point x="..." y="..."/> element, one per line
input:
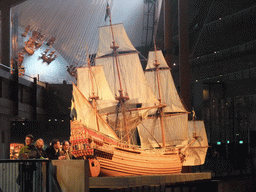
<point x="152" y="56"/>
<point x="133" y="79"/>
<point x="87" y="116"/>
<point x="98" y="84"/>
<point x="196" y="152"/>
<point x="175" y="129"/>
<point x="121" y="39"/>
<point x="168" y="90"/>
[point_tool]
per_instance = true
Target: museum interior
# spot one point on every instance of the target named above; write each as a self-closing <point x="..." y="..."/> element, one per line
<point x="209" y="47"/>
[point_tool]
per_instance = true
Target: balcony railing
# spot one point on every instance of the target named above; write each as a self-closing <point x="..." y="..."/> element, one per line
<point x="24" y="175"/>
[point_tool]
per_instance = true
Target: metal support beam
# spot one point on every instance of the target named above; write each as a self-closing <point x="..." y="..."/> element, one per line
<point x="5" y="7"/>
<point x="14" y="36"/>
<point x="15" y="98"/>
<point x="185" y="73"/>
<point x="5" y="38"/>
<point x="34" y="99"/>
<point x="202" y="29"/>
<point x="168" y="28"/>
<point x="148" y="23"/>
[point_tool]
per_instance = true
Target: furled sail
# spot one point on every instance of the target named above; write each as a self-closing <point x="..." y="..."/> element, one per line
<point x="98" y="85"/>
<point x="175" y="131"/>
<point x="87" y="115"/>
<point x="121" y="39"/>
<point x="168" y="90"/>
<point x="196" y="152"/>
<point x="132" y="78"/>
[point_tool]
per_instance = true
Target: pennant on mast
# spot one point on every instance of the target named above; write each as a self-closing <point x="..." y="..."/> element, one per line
<point x="107" y="12"/>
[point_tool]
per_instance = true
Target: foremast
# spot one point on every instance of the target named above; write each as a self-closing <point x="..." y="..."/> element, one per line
<point x="93" y="97"/>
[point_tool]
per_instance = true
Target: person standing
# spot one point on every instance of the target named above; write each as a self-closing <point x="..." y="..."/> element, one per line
<point x="53" y="151"/>
<point x="26" y="169"/>
<point x="66" y="152"/>
<point x="29" y="151"/>
<point x="40" y="175"/>
<point x="40" y="147"/>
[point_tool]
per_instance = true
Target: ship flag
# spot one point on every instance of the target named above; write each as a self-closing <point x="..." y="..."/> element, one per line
<point x="107" y="12"/>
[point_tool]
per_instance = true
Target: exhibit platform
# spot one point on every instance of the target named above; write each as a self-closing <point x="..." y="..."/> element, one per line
<point x="146" y="180"/>
<point x="73" y="175"/>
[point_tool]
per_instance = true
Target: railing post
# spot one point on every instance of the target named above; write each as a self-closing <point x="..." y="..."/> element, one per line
<point x="15" y="96"/>
<point x="34" y="99"/>
<point x="47" y="177"/>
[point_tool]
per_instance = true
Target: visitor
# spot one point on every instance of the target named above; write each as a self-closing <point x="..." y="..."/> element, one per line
<point x="53" y="151"/>
<point x="29" y="151"/>
<point x="40" y="147"/>
<point x="26" y="169"/>
<point x="66" y="152"/>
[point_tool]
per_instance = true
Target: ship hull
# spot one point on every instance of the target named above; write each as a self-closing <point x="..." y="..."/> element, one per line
<point x="128" y="163"/>
<point x="117" y="159"/>
<point x="29" y="50"/>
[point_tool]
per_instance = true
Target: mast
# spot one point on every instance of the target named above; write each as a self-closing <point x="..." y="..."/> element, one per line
<point x="121" y="98"/>
<point x="194" y="121"/>
<point x="93" y="97"/>
<point x="156" y="64"/>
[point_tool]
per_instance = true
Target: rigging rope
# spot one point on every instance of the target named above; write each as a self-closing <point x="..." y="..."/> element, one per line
<point x="150" y="134"/>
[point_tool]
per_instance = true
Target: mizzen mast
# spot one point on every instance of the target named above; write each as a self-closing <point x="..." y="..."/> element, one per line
<point x="156" y="64"/>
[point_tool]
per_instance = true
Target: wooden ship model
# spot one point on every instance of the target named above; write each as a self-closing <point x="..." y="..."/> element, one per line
<point x="48" y="58"/>
<point x="34" y="42"/>
<point x="127" y="122"/>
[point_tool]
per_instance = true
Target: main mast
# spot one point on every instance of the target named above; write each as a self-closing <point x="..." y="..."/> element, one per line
<point x="121" y="98"/>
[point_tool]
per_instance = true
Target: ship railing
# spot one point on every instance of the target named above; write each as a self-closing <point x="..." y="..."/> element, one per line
<point x="24" y="175"/>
